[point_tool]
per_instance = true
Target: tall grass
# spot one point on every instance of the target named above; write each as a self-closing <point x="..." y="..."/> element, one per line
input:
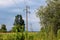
<point x="31" y="36"/>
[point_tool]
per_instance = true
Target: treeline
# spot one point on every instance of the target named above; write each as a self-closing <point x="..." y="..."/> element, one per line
<point x="19" y="25"/>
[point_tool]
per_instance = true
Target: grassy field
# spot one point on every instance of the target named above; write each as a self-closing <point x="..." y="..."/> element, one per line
<point x="17" y="36"/>
<point x="30" y="36"/>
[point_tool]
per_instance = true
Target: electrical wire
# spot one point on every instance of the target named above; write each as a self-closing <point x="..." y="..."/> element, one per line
<point x="16" y="6"/>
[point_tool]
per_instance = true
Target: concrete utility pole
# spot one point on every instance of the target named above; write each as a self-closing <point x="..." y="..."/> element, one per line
<point x="27" y="11"/>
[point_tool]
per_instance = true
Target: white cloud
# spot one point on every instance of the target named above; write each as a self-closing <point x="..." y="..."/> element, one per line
<point x="5" y="2"/>
<point x="9" y="2"/>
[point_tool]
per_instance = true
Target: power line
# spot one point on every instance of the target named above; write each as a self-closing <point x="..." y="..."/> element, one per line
<point x="16" y="5"/>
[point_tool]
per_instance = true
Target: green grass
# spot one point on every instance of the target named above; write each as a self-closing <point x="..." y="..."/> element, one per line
<point x="31" y="36"/>
<point x="13" y="36"/>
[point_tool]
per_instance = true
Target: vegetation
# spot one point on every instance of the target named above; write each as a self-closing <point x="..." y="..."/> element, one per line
<point x="3" y="28"/>
<point x="50" y="16"/>
<point x="42" y="35"/>
<point x="50" y="21"/>
<point x="18" y="24"/>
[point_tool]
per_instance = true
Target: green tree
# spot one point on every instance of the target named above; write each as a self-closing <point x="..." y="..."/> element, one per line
<point x="50" y="15"/>
<point x="18" y="24"/>
<point x="19" y="20"/>
<point x="3" y="28"/>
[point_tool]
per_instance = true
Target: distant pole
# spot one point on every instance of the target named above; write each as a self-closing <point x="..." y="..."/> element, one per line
<point x="31" y="27"/>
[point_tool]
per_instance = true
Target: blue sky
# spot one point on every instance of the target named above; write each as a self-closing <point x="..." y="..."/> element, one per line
<point x="10" y="8"/>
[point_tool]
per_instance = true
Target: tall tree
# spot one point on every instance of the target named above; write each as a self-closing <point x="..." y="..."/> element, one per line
<point x="50" y="15"/>
<point x="19" y="24"/>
